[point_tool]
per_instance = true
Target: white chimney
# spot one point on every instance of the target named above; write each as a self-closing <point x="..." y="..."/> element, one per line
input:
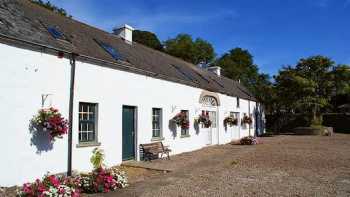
<point x="215" y="69"/>
<point x="125" y="32"/>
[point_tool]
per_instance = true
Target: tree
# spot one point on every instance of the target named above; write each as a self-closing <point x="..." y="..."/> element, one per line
<point x="341" y="78"/>
<point x="238" y="65"/>
<point x="147" y="38"/>
<point x="51" y="7"/>
<point x="307" y="87"/>
<point x="204" y="52"/>
<point x="183" y="46"/>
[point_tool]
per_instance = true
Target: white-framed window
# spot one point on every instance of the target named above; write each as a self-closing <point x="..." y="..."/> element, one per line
<point x="212" y="117"/>
<point x="157" y="123"/>
<point x="87" y="122"/>
<point x="185" y="131"/>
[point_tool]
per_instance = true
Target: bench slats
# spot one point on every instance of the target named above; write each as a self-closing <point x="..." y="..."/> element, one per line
<point x="153" y="149"/>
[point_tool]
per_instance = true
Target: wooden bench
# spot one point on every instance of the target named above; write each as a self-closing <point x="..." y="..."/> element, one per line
<point x="152" y="150"/>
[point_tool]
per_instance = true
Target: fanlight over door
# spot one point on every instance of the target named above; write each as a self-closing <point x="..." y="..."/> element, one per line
<point x="209" y="101"/>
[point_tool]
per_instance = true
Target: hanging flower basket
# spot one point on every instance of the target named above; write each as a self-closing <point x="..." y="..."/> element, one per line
<point x="230" y="121"/>
<point x="181" y="120"/>
<point x="204" y="119"/>
<point x="51" y="121"/>
<point x="247" y="119"/>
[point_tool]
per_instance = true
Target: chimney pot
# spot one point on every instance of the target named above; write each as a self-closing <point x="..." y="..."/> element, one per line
<point x="125" y="32"/>
<point x="215" y="69"/>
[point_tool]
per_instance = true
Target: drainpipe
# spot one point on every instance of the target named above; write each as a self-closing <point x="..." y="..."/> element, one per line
<point x="71" y="105"/>
<point x="249" y="114"/>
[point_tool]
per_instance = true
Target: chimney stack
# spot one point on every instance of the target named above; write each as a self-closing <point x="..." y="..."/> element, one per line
<point x="125" y="32"/>
<point x="215" y="69"/>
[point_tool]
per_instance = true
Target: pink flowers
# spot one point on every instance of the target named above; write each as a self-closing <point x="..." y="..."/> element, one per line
<point x="204" y="119"/>
<point x="50" y="186"/>
<point x="51" y="120"/>
<point x="181" y="120"/>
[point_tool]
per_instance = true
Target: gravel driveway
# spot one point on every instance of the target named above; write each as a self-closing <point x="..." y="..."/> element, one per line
<point x="281" y="166"/>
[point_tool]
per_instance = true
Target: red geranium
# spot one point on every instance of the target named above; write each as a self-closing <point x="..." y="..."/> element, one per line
<point x="51" y="120"/>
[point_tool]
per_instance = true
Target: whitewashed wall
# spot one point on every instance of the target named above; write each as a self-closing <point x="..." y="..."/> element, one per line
<point x="26" y="75"/>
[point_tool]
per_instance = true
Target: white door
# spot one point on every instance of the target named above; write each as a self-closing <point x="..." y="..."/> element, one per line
<point x="213" y="128"/>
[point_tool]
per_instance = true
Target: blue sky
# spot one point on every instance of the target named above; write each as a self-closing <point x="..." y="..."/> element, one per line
<point x="276" y="32"/>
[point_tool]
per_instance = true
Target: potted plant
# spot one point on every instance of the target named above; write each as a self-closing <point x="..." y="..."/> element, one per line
<point x="51" y="121"/>
<point x="247" y="119"/>
<point x="230" y="121"/>
<point x="181" y="120"/>
<point x="204" y="119"/>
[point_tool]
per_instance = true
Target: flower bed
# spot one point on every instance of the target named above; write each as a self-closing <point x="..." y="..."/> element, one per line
<point x="99" y="180"/>
<point x="51" y="121"/>
<point x="249" y="140"/>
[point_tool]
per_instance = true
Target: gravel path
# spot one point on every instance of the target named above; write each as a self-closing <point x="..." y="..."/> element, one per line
<point x="281" y="166"/>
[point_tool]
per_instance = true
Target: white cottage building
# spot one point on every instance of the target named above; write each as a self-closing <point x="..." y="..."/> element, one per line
<point x="117" y="93"/>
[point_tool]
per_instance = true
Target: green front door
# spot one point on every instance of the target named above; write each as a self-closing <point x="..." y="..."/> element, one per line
<point x="128" y="133"/>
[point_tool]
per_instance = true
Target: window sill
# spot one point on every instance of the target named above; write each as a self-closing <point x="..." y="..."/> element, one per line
<point x="157" y="139"/>
<point x="185" y="136"/>
<point x="88" y="144"/>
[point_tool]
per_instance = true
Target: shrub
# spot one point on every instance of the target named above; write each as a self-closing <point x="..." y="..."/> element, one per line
<point x="97" y="158"/>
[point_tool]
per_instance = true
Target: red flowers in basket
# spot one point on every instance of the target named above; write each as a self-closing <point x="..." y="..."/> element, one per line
<point x="50" y="120"/>
<point x="181" y="120"/>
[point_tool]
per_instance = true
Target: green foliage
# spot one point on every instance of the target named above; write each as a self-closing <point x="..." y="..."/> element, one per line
<point x="238" y="64"/>
<point x="183" y="46"/>
<point x="148" y="39"/>
<point x="307" y="87"/>
<point x="341" y="78"/>
<point x="97" y="158"/>
<point x="51" y="7"/>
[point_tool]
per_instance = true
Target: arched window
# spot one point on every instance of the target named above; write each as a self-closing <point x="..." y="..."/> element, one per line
<point x="209" y="101"/>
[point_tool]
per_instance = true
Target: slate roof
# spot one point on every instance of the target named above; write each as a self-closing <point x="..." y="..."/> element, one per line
<point x="24" y="20"/>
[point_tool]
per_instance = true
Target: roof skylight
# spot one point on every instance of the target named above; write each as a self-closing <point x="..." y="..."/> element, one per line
<point x="55" y="33"/>
<point x="109" y="49"/>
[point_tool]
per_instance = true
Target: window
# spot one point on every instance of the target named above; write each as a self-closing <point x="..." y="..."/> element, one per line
<point x="156" y="123"/>
<point x="87" y="122"/>
<point x="237" y="102"/>
<point x="55" y="33"/>
<point x="185" y="131"/>
<point x="109" y="49"/>
<point x="212" y="117"/>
